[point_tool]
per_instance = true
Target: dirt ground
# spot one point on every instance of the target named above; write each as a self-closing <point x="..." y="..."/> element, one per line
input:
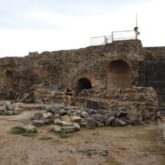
<point x="139" y="145"/>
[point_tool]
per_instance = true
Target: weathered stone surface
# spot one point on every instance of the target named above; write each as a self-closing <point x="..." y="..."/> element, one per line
<point x="164" y="133"/>
<point x="84" y="114"/>
<point x="57" y="121"/>
<point x="118" y="115"/>
<point x="122" y="113"/>
<point x="99" y="124"/>
<point x="121" y="122"/>
<point x="63" y="112"/>
<point x="76" y="119"/>
<point x="77" y="126"/>
<point x="22" y="75"/>
<point x="91" y="111"/>
<point x="48" y="121"/>
<point x="17" y="111"/>
<point x="38" y="116"/>
<point x="56" y="128"/>
<point x="47" y="115"/>
<point x="9" y="112"/>
<point x="38" y="123"/>
<point x="18" y="105"/>
<point x="104" y="153"/>
<point x="8" y="105"/>
<point x="30" y="128"/>
<point x="109" y="121"/>
<point x="66" y="118"/>
<point x="67" y="128"/>
<point x="62" y="123"/>
<point x="83" y="123"/>
<point x="91" y="123"/>
<point x="53" y="110"/>
<point x="72" y="128"/>
<point x="8" y="108"/>
<point x="98" y="117"/>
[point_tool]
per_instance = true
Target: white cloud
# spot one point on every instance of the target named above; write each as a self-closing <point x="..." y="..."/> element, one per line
<point x="150" y="17"/>
<point x="74" y="31"/>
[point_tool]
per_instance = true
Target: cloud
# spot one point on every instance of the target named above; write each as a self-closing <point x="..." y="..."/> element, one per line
<point x="38" y="29"/>
<point x="150" y="17"/>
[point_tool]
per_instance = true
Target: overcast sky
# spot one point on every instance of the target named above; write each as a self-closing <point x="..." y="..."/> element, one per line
<point x="48" y="25"/>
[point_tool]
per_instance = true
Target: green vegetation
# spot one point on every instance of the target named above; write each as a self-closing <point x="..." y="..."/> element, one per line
<point x="63" y="134"/>
<point x="23" y="132"/>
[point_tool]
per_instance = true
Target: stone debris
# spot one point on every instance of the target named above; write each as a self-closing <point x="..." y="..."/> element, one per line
<point x="92" y="152"/>
<point x="163" y="133"/>
<point x="8" y="108"/>
<point x="98" y="109"/>
<point x="71" y="119"/>
<point x="65" y="128"/>
<point x="28" y="128"/>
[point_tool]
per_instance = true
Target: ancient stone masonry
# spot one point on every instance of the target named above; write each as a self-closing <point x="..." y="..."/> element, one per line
<point x="110" y="67"/>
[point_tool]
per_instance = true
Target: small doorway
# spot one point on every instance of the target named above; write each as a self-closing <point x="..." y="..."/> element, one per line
<point x="83" y="83"/>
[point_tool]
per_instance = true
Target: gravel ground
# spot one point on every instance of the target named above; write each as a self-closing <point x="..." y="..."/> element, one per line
<point x="139" y="145"/>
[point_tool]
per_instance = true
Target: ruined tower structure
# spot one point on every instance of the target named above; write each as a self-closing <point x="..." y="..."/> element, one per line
<point x="124" y="66"/>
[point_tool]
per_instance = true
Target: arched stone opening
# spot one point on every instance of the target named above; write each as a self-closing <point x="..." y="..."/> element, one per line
<point x="83" y="83"/>
<point x="119" y="74"/>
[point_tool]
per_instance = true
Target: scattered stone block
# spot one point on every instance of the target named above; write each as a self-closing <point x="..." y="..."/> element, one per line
<point x="109" y="121"/>
<point x="91" y="123"/>
<point x="47" y="115"/>
<point x="37" y="116"/>
<point x="56" y="128"/>
<point x="38" y="123"/>
<point x="76" y="119"/>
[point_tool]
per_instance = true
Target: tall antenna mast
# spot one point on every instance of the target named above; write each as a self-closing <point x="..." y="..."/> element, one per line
<point x="136" y="20"/>
<point x="136" y="28"/>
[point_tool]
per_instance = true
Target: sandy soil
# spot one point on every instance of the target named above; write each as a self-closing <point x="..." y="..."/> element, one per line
<point x="140" y="145"/>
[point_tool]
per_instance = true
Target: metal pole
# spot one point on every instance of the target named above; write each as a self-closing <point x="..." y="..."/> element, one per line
<point x="112" y="36"/>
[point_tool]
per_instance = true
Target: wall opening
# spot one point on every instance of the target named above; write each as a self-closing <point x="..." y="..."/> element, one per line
<point x="83" y="83"/>
<point x="119" y="74"/>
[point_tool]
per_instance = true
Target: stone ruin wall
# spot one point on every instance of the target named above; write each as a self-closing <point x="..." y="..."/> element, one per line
<point x="151" y="72"/>
<point x="60" y="67"/>
<point x="98" y="64"/>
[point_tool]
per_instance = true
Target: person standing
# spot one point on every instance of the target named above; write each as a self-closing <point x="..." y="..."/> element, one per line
<point x="68" y="96"/>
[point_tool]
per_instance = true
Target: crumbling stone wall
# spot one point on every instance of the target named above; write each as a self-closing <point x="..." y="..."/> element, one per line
<point x="60" y="68"/>
<point x="151" y="71"/>
<point x="55" y="70"/>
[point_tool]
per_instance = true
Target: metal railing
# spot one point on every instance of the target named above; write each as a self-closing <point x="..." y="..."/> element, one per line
<point x="115" y="36"/>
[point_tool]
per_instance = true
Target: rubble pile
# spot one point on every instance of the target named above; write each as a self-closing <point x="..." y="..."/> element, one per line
<point x="8" y="108"/>
<point x="115" y="107"/>
<point x="71" y="119"/>
<point x="141" y="103"/>
<point x="134" y="94"/>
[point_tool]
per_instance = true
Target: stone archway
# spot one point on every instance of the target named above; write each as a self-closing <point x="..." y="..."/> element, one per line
<point x="83" y="80"/>
<point x="119" y="74"/>
<point x="83" y="83"/>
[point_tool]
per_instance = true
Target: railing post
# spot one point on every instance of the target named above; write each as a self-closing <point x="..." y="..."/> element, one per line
<point x="105" y="39"/>
<point x="112" y="36"/>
